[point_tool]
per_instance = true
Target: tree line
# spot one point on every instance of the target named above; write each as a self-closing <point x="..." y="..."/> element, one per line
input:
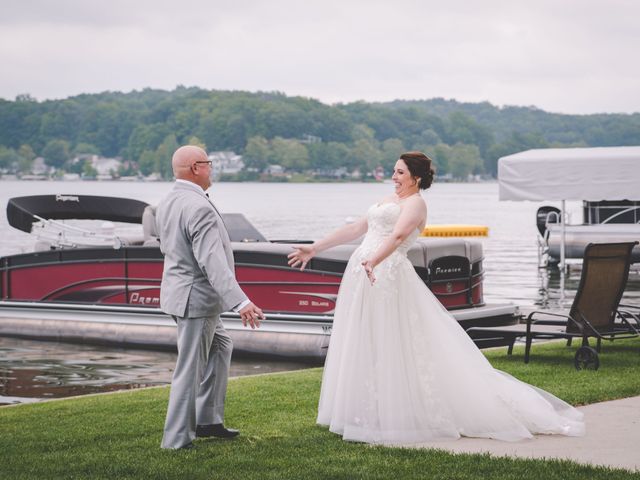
<point x="300" y="134"/>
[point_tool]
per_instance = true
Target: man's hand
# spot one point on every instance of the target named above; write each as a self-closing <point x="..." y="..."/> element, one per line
<point x="251" y="315"/>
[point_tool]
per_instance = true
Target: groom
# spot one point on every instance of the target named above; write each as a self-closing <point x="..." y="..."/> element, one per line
<point x="198" y="284"/>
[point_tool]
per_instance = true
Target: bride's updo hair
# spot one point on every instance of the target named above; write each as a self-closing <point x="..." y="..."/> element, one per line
<point x="420" y="167"/>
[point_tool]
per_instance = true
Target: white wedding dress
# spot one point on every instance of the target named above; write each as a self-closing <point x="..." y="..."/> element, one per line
<point x="400" y="369"/>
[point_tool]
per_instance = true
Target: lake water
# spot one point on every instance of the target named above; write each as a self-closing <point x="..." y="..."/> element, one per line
<point x="308" y="211"/>
<point x="32" y="370"/>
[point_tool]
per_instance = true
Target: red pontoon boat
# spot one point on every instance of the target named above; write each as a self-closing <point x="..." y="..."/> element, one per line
<point x="102" y="285"/>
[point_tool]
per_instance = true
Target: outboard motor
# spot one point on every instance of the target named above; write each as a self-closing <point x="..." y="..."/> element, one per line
<point x="546" y="214"/>
<point x="450" y="280"/>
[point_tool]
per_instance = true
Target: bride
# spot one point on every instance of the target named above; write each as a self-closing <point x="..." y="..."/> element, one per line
<point x="400" y="369"/>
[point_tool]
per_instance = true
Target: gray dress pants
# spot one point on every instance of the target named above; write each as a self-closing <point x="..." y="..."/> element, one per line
<point x="199" y="383"/>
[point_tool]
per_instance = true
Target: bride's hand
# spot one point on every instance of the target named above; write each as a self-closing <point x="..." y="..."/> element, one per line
<point x="368" y="268"/>
<point x="301" y="256"/>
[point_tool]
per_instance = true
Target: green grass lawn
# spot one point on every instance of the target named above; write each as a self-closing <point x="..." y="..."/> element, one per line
<point x="118" y="435"/>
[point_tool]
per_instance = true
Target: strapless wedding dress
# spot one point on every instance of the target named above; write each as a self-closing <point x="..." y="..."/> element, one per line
<point x="400" y="369"/>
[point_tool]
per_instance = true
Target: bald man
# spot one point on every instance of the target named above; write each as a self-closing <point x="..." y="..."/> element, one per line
<point x="198" y="284"/>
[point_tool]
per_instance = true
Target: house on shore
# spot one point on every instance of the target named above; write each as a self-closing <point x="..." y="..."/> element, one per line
<point x="225" y="163"/>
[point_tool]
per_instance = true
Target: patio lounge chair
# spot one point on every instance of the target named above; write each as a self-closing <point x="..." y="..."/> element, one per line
<point x="594" y="313"/>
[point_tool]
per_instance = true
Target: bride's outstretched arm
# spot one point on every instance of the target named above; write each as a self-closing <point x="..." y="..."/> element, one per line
<point x="303" y="253"/>
<point x="413" y="215"/>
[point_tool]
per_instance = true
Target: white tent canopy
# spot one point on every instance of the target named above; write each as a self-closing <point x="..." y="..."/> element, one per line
<point x="603" y="173"/>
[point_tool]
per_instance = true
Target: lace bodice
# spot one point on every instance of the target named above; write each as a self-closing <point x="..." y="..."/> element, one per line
<point x="381" y="219"/>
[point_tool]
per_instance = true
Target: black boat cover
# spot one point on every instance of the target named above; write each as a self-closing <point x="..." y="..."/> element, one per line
<point x="240" y="229"/>
<point x="21" y="210"/>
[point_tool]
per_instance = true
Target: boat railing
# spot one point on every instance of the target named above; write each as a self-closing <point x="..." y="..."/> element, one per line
<point x="552" y="217"/>
<point x="635" y="210"/>
<point x="596" y="213"/>
<point x="64" y="235"/>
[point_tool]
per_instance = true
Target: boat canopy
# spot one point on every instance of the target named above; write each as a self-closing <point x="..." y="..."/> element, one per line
<point x="23" y="212"/>
<point x="603" y="173"/>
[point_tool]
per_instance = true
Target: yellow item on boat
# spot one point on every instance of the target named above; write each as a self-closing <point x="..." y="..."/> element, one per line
<point x="455" y="231"/>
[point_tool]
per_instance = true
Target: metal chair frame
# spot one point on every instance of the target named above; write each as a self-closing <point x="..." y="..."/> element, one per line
<point x="623" y="323"/>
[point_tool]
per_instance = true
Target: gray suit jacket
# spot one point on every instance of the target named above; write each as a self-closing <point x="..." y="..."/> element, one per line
<point x="198" y="278"/>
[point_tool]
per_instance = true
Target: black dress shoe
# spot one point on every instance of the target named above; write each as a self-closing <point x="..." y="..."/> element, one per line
<point x="218" y="430"/>
<point x="188" y="446"/>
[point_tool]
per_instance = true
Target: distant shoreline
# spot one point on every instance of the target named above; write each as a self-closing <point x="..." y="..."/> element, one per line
<point x="278" y="180"/>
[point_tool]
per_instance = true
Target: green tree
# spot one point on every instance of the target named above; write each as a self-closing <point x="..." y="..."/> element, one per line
<point x="88" y="170"/>
<point x="25" y="97"/>
<point x="27" y="155"/>
<point x="26" y="152"/>
<point x="291" y="154"/>
<point x="56" y="153"/>
<point x="85" y="148"/>
<point x="391" y="150"/>
<point x="440" y="154"/>
<point x="163" y="156"/>
<point x="116" y="124"/>
<point x="429" y="137"/>
<point x="257" y="153"/>
<point x="365" y="155"/>
<point x="127" y="169"/>
<point x="328" y="155"/>
<point x="517" y="142"/>
<point x="464" y="129"/>
<point x="496" y="151"/>
<point x="74" y="166"/>
<point x="363" y="132"/>
<point x="132" y="123"/>
<point x="9" y="159"/>
<point x="145" y="137"/>
<point x="193" y="140"/>
<point x="465" y="160"/>
<point x="337" y="155"/>
<point x="147" y="162"/>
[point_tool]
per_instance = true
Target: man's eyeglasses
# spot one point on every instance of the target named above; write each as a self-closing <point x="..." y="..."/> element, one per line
<point x="210" y="162"/>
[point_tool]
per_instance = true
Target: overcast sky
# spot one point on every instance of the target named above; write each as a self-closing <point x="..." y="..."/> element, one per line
<point x="569" y="56"/>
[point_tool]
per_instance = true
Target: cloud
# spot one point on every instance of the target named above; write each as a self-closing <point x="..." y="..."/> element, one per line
<point x="572" y="56"/>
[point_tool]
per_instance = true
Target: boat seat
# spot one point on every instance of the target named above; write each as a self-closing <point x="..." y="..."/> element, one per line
<point x="427" y="249"/>
<point x="131" y="239"/>
<point x="149" y="229"/>
<point x="423" y="251"/>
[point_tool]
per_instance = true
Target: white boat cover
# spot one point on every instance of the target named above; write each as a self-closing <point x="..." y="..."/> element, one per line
<point x="603" y="173"/>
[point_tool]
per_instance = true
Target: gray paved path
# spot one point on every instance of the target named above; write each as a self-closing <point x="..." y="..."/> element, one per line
<point x="612" y="439"/>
